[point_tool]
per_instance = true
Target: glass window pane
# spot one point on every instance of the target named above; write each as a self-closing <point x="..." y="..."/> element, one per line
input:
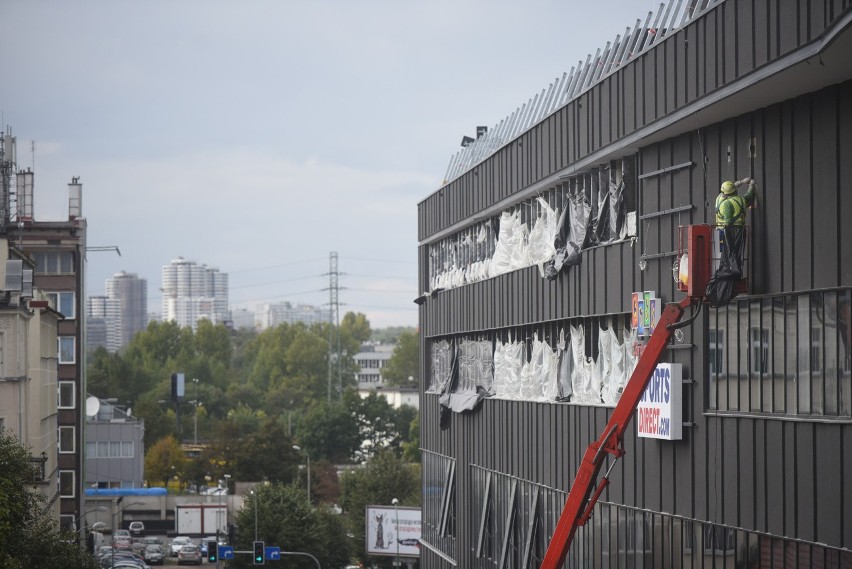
<point x="127" y="449"/>
<point x="91" y="450"/>
<point x="66" y="395"/>
<point x="66" y="349"/>
<point x="66" y="439"/>
<point x="66" y="483"/>
<point x="103" y="449"/>
<point x="115" y="449"/>
<point x="66" y="304"/>
<point x="66" y="262"/>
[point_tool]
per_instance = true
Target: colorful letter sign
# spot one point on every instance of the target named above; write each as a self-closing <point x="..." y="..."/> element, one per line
<point x="659" y="414"/>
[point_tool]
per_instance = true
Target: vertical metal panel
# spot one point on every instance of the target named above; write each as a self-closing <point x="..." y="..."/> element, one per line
<point x="802" y="187"/>
<point x="844" y="168"/>
<point x="805" y="481"/>
<point x="788" y="29"/>
<point x="828" y="452"/>
<point x="745" y="37"/>
<point x="826" y="192"/>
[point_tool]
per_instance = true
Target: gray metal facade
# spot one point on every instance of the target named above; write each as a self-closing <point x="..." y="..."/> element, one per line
<point x="761" y="477"/>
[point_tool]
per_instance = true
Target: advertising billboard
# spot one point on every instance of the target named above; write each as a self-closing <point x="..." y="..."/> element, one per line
<point x="385" y="533"/>
<point x="659" y="414"/>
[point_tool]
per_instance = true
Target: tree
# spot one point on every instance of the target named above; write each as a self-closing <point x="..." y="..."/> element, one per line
<point x="29" y="537"/>
<point x="164" y="460"/>
<point x="404" y="363"/>
<point x="286" y="519"/>
<point x="329" y="431"/>
<point x="384" y="478"/>
<point x="356" y="326"/>
<point x="411" y="447"/>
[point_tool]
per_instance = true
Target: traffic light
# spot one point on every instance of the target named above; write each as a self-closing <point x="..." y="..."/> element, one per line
<point x="212" y="551"/>
<point x="258" y="553"/>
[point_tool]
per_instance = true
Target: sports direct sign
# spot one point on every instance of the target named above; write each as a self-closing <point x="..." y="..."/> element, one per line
<point x="659" y="414"/>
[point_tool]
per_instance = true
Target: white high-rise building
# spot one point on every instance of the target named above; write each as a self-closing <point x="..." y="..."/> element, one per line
<point x="192" y="292"/>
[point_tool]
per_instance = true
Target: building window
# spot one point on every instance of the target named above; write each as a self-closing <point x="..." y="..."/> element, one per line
<point x="66" y="484"/>
<point x="127" y="449"/>
<point x="67" y="349"/>
<point x="67" y="522"/>
<point x="103" y="449"/>
<point x="717" y="351"/>
<point x="719" y="540"/>
<point x="63" y="302"/>
<point x="91" y="450"/>
<point x="759" y="350"/>
<point x="67" y="439"/>
<point x="115" y="449"/>
<point x="67" y="395"/>
<point x="816" y="349"/>
<point x="53" y="263"/>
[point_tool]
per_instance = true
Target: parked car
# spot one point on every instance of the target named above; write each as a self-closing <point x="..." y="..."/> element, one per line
<point x="154" y="554"/>
<point x="178" y="543"/>
<point x="153" y="541"/>
<point x="189" y="554"/>
<point x="137" y="529"/>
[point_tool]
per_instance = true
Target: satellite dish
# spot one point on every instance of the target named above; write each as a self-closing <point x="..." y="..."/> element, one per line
<point x="93" y="405"/>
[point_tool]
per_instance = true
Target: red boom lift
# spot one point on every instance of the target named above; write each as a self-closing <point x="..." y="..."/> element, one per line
<point x="581" y="501"/>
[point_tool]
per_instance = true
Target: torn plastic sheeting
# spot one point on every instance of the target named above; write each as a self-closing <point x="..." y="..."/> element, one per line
<point x="508" y="363"/>
<point x="585" y="391"/>
<point x="617" y="225"/>
<point x="475" y="377"/>
<point x="600" y="230"/>
<point x="563" y="375"/>
<point x="442" y="366"/>
<point x="614" y="381"/>
<point x="510" y="252"/>
<point x="571" y="235"/>
<point x="541" y="248"/>
<point x="538" y="376"/>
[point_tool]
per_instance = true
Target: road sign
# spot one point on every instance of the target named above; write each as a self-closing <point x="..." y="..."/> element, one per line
<point x="273" y="553"/>
<point x="226" y="552"/>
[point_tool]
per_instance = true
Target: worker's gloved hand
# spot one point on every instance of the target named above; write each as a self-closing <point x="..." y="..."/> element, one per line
<point x="751" y="184"/>
<point x="743" y="182"/>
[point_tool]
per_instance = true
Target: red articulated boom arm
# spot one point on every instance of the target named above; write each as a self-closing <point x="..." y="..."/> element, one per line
<point x="580" y="502"/>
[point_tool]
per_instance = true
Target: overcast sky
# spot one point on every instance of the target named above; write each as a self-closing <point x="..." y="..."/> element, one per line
<point x="258" y="136"/>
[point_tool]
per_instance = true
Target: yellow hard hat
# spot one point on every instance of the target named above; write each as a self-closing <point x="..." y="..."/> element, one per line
<point x="728" y="188"/>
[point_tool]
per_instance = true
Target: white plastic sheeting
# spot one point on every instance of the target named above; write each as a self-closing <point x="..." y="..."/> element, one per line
<point x="583" y="370"/>
<point x="542" y="238"/>
<point x="509" y="359"/>
<point x="538" y="376"/>
<point x="475" y="376"/>
<point x="442" y="366"/>
<point x="510" y="253"/>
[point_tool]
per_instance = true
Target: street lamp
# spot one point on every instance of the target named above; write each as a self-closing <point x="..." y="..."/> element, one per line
<point x="113" y="524"/>
<point x="395" y="503"/>
<point x="86" y="513"/>
<point x="308" y="468"/>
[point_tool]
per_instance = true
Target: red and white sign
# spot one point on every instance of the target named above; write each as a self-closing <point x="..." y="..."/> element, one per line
<point x="659" y="414"/>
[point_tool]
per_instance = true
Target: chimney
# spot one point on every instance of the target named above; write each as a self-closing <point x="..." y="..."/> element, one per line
<point x="75" y="199"/>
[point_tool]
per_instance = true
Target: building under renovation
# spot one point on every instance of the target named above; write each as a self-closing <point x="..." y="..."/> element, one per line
<point x="548" y="254"/>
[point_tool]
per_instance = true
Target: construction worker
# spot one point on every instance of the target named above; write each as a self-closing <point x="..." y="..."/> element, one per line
<point x="730" y="206"/>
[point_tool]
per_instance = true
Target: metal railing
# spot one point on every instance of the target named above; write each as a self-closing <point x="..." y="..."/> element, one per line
<point x="669" y="18"/>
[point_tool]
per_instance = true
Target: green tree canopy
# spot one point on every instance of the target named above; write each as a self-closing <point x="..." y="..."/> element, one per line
<point x="163" y="460"/>
<point x="404" y="363"/>
<point x="286" y="519"/>
<point x="29" y="537"/>
<point x="384" y="478"/>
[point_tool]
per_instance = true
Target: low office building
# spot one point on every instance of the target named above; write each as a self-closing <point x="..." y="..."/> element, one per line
<point x="115" y="449"/>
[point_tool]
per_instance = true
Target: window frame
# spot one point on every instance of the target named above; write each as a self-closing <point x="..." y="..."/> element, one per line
<point x="59" y="351"/>
<point x="55" y="300"/>
<point x="59" y="439"/>
<point x="59" y="387"/>
<point x="73" y="475"/>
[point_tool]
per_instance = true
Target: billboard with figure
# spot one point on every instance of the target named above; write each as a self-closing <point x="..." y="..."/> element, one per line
<point x="385" y="533"/>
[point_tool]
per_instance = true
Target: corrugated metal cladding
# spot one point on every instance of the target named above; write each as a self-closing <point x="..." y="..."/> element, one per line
<point x="763" y="474"/>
